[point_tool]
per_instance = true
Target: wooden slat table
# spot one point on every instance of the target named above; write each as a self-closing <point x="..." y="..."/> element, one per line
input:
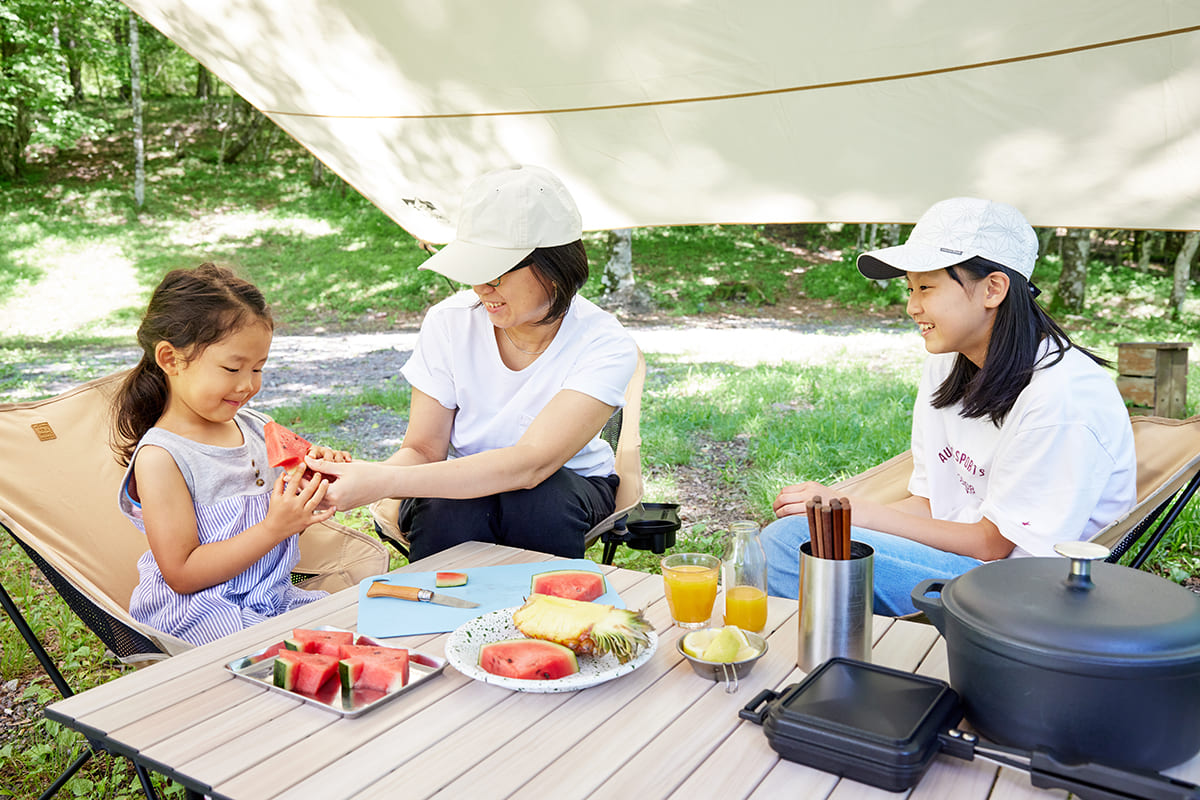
<point x="660" y="731"/>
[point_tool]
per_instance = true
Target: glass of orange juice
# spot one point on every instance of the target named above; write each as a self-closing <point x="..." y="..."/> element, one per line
<point x="690" y="581"/>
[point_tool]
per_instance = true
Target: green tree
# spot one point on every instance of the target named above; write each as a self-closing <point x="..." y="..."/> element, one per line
<point x="36" y="75"/>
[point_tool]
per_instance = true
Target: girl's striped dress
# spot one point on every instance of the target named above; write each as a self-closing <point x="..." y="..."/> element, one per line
<point x="228" y="499"/>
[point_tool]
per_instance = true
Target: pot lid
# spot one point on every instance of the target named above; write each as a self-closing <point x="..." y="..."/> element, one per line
<point x="1077" y="608"/>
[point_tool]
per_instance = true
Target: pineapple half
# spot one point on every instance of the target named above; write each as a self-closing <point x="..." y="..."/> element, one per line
<point x="586" y="628"/>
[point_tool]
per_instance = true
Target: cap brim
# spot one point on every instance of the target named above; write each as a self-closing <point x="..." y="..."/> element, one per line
<point x="474" y="264"/>
<point x="895" y="262"/>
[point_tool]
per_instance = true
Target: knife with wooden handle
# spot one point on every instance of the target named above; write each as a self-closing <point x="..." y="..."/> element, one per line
<point x="384" y="589"/>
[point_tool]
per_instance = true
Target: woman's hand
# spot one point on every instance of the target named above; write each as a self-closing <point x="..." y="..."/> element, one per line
<point x="329" y="454"/>
<point x="352" y="484"/>
<point x="792" y="499"/>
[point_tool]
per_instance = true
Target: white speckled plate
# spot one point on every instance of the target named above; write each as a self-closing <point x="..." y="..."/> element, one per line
<point x="462" y="652"/>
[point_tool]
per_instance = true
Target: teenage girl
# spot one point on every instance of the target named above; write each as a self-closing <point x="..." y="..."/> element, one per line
<point x="1020" y="439"/>
<point x="222" y="525"/>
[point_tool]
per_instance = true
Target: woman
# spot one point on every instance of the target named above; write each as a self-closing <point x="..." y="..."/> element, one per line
<point x="1020" y="439"/>
<point x="512" y="383"/>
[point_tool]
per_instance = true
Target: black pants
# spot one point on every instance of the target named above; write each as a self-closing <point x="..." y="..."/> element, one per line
<point x="552" y="517"/>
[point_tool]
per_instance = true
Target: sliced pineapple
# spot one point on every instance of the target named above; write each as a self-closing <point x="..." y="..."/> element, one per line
<point x="586" y="628"/>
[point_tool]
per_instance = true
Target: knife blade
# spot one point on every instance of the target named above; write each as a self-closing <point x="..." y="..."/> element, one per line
<point x="383" y="589"/>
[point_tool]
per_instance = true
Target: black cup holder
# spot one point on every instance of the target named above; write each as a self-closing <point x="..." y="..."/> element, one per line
<point x="650" y="526"/>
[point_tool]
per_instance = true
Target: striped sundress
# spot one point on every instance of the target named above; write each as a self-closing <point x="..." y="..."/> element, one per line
<point x="227" y="500"/>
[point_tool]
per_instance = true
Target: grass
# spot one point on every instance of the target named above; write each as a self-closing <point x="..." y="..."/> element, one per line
<point x="70" y="238"/>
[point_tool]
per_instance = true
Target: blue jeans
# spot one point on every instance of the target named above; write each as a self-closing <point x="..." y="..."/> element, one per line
<point x="899" y="563"/>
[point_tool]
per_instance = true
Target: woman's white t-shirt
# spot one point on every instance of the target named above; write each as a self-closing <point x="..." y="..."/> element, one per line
<point x="1060" y="467"/>
<point x="456" y="361"/>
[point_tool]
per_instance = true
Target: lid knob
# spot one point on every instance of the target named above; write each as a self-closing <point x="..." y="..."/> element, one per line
<point x="1081" y="554"/>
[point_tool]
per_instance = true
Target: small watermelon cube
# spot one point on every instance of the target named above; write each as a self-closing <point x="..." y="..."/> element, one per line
<point x="446" y="579"/>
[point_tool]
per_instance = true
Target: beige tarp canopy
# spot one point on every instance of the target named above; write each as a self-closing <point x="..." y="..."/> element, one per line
<point x="1079" y="112"/>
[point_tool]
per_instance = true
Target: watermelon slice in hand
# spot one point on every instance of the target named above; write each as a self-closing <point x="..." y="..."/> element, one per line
<point x="287" y="449"/>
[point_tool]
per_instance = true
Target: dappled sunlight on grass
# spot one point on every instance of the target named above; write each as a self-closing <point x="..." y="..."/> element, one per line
<point x="80" y="286"/>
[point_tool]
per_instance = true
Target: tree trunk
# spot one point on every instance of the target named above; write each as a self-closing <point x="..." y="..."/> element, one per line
<point x="135" y="91"/>
<point x="318" y="173"/>
<point x="203" y="83"/>
<point x="243" y="132"/>
<point x="620" y="289"/>
<point x="1183" y="272"/>
<point x="1076" y="246"/>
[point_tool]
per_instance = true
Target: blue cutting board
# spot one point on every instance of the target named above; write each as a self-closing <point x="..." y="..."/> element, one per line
<point x="493" y="588"/>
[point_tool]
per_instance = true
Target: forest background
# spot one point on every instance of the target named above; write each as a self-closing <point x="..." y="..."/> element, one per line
<point x="121" y="158"/>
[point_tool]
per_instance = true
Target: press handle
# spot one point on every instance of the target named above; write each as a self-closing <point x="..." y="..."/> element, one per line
<point x="757" y="717"/>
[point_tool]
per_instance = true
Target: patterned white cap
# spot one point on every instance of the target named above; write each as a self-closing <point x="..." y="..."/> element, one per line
<point x="507" y="214"/>
<point x="952" y="232"/>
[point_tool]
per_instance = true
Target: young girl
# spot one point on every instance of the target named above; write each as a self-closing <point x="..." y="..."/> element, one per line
<point x="222" y="525"/>
<point x="1020" y="439"/>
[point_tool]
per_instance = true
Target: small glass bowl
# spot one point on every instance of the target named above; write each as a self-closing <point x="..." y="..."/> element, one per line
<point x="729" y="672"/>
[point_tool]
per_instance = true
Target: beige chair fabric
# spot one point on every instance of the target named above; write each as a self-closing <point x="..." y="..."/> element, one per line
<point x="1168" y="456"/>
<point x="628" y="452"/>
<point x="58" y="497"/>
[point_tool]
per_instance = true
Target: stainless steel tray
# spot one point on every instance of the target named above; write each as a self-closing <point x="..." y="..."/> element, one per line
<point x="254" y="667"/>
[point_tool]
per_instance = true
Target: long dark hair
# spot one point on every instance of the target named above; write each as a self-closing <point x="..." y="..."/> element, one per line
<point x="191" y="309"/>
<point x="1019" y="328"/>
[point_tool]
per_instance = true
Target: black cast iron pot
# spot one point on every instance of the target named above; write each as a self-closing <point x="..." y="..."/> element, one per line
<point x="1090" y="661"/>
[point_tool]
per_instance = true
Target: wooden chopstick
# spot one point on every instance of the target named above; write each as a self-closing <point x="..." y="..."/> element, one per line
<point x="827" y="532"/>
<point x="835" y="510"/>
<point x="845" y="549"/>
<point x="814" y="526"/>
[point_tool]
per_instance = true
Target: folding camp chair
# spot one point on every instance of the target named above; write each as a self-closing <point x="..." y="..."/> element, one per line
<point x="623" y="434"/>
<point x="58" y="499"/>
<point x="1168" y="475"/>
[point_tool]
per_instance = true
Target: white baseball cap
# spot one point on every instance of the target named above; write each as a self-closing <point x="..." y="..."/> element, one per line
<point x="952" y="232"/>
<point x="505" y="215"/>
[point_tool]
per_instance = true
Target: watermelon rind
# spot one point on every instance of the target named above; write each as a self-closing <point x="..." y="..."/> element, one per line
<point x="573" y="584"/>
<point x="528" y="659"/>
<point x="445" y="580"/>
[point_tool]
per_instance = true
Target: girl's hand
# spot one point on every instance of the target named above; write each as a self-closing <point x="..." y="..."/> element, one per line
<point x="329" y="454"/>
<point x="296" y="504"/>
<point x="792" y="499"/>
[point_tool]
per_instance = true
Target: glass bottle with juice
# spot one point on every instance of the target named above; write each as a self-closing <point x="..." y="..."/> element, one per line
<point x="745" y="578"/>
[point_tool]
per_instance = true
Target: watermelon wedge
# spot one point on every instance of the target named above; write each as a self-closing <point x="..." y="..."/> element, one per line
<point x="445" y="579"/>
<point x="285" y="448"/>
<point x="381" y="673"/>
<point x="573" y="584"/>
<point x="303" y="672"/>
<point x="329" y="643"/>
<point x="528" y="659"/>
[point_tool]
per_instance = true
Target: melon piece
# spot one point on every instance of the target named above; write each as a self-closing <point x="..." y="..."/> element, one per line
<point x="573" y="584"/>
<point x="445" y="579"/>
<point x="381" y="672"/>
<point x="312" y="641"/>
<point x="528" y="659"/>
<point x="285" y="448"/>
<point x="303" y="672"/>
<point x="270" y="652"/>
<point x="347" y="650"/>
